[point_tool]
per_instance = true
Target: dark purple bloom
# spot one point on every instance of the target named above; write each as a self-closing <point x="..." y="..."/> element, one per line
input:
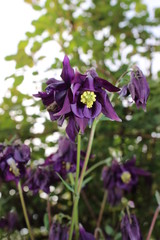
<point x="83" y="235"/>
<point x="58" y="94"/>
<point x="10" y="222"/>
<point x="78" y="98"/>
<point x="121" y="177"/>
<point x="58" y="232"/>
<point x="13" y="159"/>
<point x="130" y="228"/>
<point x="61" y="162"/>
<point x="138" y="88"/>
<point x="90" y="98"/>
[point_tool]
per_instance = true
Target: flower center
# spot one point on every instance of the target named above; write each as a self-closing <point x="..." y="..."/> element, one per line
<point x="126" y="177"/>
<point x="13" y="167"/>
<point x="88" y="98"/>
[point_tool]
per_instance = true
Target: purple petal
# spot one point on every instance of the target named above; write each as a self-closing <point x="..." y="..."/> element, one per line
<point x="79" y="78"/>
<point x="77" y="110"/>
<point x="72" y="129"/>
<point x="66" y="107"/>
<point x="67" y="72"/>
<point x="87" y="112"/>
<point x="82" y="123"/>
<point x="102" y="83"/>
<point x="75" y="90"/>
<point x="107" y="108"/>
<point x="97" y="109"/>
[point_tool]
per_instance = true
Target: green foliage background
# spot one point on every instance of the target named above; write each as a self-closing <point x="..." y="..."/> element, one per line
<point x="92" y="33"/>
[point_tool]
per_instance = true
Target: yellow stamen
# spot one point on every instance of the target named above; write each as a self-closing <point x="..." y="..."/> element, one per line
<point x="13" y="167"/>
<point x="88" y="98"/>
<point x="126" y="177"/>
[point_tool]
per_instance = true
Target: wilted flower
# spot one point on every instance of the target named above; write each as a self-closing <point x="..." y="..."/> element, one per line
<point x="79" y="98"/>
<point x="130" y="228"/>
<point x="138" y="88"/>
<point x="121" y="177"/>
<point x="61" y="162"/>
<point x="13" y="159"/>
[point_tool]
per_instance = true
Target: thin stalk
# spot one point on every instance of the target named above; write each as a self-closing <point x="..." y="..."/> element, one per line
<point x="25" y="210"/>
<point x="96" y="165"/>
<point x="76" y="200"/>
<point x="153" y="222"/>
<point x="74" y="220"/>
<point x="101" y="213"/>
<point x="49" y="212"/>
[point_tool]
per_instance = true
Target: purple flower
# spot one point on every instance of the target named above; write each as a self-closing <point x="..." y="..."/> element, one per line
<point x="13" y="159"/>
<point x="78" y="98"/>
<point x="90" y="98"/>
<point x="138" y="88"/>
<point x="10" y="222"/>
<point x="121" y="177"/>
<point x="58" y="232"/>
<point x="83" y="235"/>
<point x="58" y="94"/>
<point x="61" y="162"/>
<point x="130" y="228"/>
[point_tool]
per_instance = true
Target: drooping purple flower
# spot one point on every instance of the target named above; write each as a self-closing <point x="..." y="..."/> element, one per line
<point x="61" y="162"/>
<point x="58" y="232"/>
<point x="83" y="235"/>
<point x="10" y="222"/>
<point x="121" y="177"/>
<point x="13" y="160"/>
<point x="130" y="228"/>
<point x="138" y="88"/>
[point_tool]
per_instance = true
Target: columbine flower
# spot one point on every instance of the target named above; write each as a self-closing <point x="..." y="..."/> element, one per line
<point x="83" y="235"/>
<point x="130" y="228"/>
<point x="90" y="98"/>
<point x="58" y="232"/>
<point x="10" y="222"/>
<point x="79" y="98"/>
<point x="121" y="177"/>
<point x="138" y="88"/>
<point x="13" y="159"/>
<point x="61" y="162"/>
<point x="58" y="94"/>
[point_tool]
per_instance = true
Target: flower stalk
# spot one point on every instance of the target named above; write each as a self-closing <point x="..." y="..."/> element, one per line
<point x="153" y="223"/>
<point x="25" y="210"/>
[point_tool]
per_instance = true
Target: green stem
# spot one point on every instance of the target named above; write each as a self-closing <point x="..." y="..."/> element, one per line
<point x="101" y="214"/>
<point x="25" y="210"/>
<point x="74" y="220"/>
<point x="96" y="165"/>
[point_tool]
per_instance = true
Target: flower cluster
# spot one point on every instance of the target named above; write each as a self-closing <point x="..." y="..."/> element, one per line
<point x="13" y="159"/>
<point x="121" y="177"/>
<point x="130" y="228"/>
<point x="80" y="98"/>
<point x="137" y="87"/>
<point x="61" y="162"/>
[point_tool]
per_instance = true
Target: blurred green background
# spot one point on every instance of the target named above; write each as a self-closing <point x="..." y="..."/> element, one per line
<point x="110" y="36"/>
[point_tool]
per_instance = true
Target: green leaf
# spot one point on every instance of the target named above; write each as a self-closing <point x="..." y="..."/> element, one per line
<point x="65" y="183"/>
<point x="46" y="221"/>
<point x="36" y="46"/>
<point x="109" y="230"/>
<point x="87" y="180"/>
<point x="157" y="195"/>
<point x="18" y="80"/>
